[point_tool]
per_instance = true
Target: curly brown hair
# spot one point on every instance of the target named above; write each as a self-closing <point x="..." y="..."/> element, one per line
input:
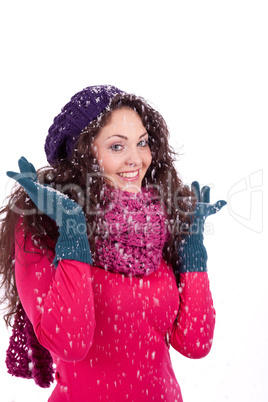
<point x="79" y="177"/>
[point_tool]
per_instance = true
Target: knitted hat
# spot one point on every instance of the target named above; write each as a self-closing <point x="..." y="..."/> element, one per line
<point x="83" y="107"/>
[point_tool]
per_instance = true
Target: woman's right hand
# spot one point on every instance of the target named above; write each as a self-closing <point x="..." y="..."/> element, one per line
<point x="51" y="202"/>
<point x="69" y="216"/>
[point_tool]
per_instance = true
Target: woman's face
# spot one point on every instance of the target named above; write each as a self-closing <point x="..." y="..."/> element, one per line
<point x="122" y="151"/>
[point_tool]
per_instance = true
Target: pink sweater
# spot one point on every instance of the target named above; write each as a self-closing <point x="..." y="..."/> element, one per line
<point x="109" y="334"/>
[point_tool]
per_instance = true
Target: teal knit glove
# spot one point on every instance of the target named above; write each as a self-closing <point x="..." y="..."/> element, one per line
<point x="192" y="252"/>
<point x="72" y="243"/>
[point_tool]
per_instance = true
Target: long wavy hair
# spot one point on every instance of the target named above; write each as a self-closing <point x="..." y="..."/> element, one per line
<point x="79" y="177"/>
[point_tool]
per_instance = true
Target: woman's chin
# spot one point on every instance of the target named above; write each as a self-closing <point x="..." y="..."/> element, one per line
<point x="124" y="185"/>
<point x="131" y="188"/>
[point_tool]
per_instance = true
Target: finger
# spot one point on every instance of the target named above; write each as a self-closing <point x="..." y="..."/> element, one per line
<point x="205" y="194"/>
<point x="27" y="167"/>
<point x="23" y="165"/>
<point x="23" y="157"/>
<point x="196" y="189"/>
<point x="213" y="209"/>
<point x="219" y="205"/>
<point x="32" y="168"/>
<point x="28" y="184"/>
<point x="13" y="175"/>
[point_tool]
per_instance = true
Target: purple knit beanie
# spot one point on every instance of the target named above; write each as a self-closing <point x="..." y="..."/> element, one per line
<point x="83" y="107"/>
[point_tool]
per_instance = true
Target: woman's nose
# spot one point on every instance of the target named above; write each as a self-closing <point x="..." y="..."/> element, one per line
<point x="133" y="158"/>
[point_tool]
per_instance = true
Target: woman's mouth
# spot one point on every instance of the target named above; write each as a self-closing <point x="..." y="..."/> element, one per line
<point x="129" y="176"/>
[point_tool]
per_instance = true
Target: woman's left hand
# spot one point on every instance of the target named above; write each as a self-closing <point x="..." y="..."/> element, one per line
<point x="192" y="252"/>
<point x="203" y="207"/>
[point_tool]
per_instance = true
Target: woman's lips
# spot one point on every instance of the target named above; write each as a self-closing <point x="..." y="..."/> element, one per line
<point x="130" y="176"/>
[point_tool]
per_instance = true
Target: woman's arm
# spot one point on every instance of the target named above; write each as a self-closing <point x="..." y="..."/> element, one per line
<point x="193" y="329"/>
<point x="59" y="302"/>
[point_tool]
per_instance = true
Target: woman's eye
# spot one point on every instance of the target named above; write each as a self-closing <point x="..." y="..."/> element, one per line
<point x="116" y="147"/>
<point x="143" y="143"/>
<point x="120" y="147"/>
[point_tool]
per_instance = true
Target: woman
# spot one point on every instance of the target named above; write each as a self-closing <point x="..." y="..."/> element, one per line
<point x="99" y="259"/>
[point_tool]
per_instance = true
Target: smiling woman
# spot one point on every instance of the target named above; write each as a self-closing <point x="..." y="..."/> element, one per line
<point x="101" y="271"/>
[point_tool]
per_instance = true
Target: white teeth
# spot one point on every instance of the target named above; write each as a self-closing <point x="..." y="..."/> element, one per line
<point x="129" y="175"/>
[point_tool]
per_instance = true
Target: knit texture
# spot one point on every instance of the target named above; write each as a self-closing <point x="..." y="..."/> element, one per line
<point x="84" y="107"/>
<point x="72" y="243"/>
<point x="132" y="232"/>
<point x="192" y="254"/>
<point x="25" y="356"/>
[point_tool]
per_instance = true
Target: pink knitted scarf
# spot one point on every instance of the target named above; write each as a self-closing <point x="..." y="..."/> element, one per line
<point x="132" y="230"/>
<point x="25" y="357"/>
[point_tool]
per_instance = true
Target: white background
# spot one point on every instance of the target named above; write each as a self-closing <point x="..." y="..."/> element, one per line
<point x="204" y="65"/>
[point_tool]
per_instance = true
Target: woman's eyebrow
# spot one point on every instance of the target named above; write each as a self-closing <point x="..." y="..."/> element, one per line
<point x="122" y="136"/>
